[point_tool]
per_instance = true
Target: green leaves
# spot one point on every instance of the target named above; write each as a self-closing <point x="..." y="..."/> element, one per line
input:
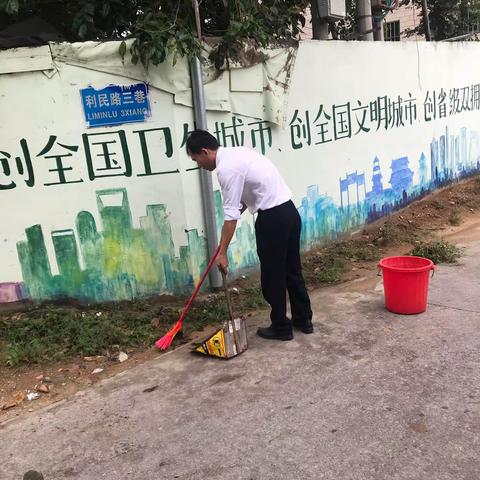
<point x="164" y="28"/>
<point x="449" y="18"/>
<point x="122" y="49"/>
<point x="10" y="7"/>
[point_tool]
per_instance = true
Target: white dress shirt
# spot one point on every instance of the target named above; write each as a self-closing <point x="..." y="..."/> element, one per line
<point x="249" y="177"/>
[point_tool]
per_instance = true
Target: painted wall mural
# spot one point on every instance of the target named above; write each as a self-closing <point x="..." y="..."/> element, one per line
<point x="452" y="158"/>
<point x="122" y="262"/>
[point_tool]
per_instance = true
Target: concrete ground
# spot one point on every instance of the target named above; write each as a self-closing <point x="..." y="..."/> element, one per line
<point x="371" y="395"/>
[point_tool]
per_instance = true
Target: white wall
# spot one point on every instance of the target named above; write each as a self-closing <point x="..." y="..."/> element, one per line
<point x="340" y="74"/>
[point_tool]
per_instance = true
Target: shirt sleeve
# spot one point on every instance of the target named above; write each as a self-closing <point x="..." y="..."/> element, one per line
<point x="231" y="183"/>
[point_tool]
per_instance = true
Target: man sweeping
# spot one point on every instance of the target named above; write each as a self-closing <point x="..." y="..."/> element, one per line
<point x="250" y="180"/>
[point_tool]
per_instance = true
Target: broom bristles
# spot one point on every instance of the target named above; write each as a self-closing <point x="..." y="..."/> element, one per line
<point x="165" y="342"/>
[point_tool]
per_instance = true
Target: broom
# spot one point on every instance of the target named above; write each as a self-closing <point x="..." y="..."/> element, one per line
<point x="164" y="342"/>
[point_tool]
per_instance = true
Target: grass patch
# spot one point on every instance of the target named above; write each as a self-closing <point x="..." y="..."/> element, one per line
<point x="455" y="219"/>
<point x="326" y="269"/>
<point x="438" y="205"/>
<point x="388" y="234"/>
<point x="439" y="251"/>
<point x="50" y="332"/>
<point x="354" y="251"/>
<point x="205" y="313"/>
<point x="251" y="298"/>
<point x="53" y="333"/>
<point x="328" y="264"/>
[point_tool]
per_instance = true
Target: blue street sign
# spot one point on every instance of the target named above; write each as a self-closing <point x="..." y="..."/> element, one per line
<point x="115" y="104"/>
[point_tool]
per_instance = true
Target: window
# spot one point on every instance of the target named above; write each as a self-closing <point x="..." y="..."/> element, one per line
<point x="392" y="31"/>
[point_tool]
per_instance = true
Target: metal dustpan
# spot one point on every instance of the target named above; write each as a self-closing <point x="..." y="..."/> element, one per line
<point x="228" y="341"/>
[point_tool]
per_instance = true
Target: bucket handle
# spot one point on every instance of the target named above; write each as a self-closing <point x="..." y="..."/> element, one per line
<point x="379" y="270"/>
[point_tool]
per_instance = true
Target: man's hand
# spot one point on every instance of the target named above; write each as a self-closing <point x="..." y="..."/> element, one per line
<point x="228" y="230"/>
<point x="222" y="263"/>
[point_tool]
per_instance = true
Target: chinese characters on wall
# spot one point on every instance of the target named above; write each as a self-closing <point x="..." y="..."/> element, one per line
<point x="108" y="153"/>
<point x="330" y="123"/>
<point x="104" y="154"/>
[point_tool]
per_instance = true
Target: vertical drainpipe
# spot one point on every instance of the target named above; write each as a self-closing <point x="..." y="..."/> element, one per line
<point x="206" y="185"/>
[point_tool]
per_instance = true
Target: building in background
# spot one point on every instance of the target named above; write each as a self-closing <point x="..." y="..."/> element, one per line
<point x="307" y="33"/>
<point x="396" y="25"/>
<point x="400" y="21"/>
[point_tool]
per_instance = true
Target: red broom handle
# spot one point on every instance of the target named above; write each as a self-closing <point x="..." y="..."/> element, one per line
<point x="194" y="294"/>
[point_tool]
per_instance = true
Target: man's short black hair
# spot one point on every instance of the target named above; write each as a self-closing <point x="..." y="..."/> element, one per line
<point x="199" y="139"/>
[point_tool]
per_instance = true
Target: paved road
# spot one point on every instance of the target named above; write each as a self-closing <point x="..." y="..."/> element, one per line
<point x="370" y="395"/>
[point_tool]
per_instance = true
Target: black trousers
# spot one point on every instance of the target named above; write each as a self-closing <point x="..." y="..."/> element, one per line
<point x="277" y="232"/>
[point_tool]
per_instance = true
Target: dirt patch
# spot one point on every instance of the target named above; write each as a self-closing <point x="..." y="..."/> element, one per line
<point x="66" y="378"/>
<point x="131" y="327"/>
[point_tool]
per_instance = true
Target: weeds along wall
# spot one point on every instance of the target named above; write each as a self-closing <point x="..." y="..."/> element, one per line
<point x="114" y="212"/>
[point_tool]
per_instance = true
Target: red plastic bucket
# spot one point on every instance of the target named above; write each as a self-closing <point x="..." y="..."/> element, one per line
<point x="405" y="283"/>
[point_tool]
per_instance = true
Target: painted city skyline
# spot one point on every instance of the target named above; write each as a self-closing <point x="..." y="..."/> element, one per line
<point x="115" y="261"/>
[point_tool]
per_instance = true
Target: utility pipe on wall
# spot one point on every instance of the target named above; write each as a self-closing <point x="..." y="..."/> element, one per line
<point x="206" y="185"/>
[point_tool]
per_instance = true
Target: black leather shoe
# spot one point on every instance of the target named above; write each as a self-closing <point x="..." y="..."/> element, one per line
<point x="271" y="334"/>
<point x="305" y="326"/>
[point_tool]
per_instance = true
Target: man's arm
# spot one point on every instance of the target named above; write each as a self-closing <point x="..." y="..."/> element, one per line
<point x="231" y="182"/>
<point x="228" y="230"/>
